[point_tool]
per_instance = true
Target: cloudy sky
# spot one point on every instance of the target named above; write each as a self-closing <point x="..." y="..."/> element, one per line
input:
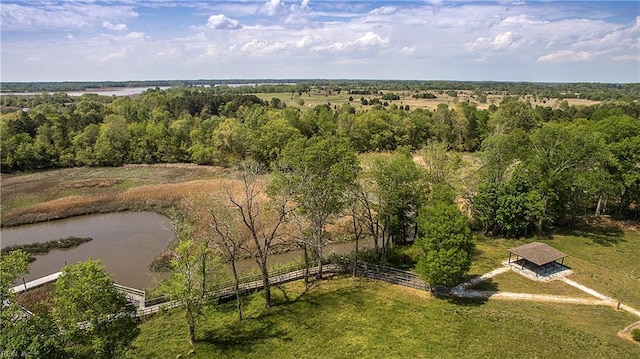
<point x="559" y="41"/>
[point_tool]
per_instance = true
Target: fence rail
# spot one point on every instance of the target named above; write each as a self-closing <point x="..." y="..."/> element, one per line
<point x="225" y="291"/>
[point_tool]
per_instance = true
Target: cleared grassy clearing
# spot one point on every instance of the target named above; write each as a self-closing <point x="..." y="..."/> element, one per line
<point x="603" y="259"/>
<point x="514" y="282"/>
<point x="319" y="98"/>
<point x="315" y="98"/>
<point x="606" y="261"/>
<point x="367" y="319"/>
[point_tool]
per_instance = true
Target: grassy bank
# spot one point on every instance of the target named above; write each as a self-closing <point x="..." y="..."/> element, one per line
<point x="343" y="318"/>
<point x="57" y="194"/>
<point x="362" y="318"/>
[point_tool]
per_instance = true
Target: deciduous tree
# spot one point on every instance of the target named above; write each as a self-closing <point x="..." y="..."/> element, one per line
<point x="94" y="317"/>
<point x="317" y="172"/>
<point x="445" y="240"/>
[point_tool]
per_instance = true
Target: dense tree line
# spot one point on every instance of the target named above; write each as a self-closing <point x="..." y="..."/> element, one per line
<point x="542" y="166"/>
<point x="591" y="91"/>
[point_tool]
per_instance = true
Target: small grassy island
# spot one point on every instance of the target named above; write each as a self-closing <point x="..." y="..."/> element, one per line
<point x="45" y="247"/>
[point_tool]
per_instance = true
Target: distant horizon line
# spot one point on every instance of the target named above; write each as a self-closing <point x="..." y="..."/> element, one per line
<point x="285" y="81"/>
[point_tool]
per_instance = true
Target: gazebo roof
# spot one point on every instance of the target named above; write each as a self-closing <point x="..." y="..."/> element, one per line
<point x="538" y="253"/>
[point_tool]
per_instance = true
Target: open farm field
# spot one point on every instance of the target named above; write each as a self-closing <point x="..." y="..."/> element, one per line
<point x="315" y="98"/>
<point x="368" y="319"/>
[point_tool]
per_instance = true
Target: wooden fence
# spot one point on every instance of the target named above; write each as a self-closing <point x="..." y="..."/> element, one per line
<point x="250" y="284"/>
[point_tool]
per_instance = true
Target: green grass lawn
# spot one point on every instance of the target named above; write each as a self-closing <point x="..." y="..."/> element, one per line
<point x="343" y="318"/>
<point x="605" y="260"/>
<point x="514" y="282"/>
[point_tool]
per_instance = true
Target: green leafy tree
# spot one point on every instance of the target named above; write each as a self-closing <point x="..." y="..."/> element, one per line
<point x="561" y="153"/>
<point x="112" y="142"/>
<point x="513" y="207"/>
<point x="442" y="123"/>
<point x="233" y="140"/>
<point x="484" y="206"/>
<point x="13" y="265"/>
<point x="401" y="190"/>
<point x="500" y="152"/>
<point x="514" y="114"/>
<point x="93" y="315"/>
<point x="441" y="165"/>
<point x="520" y="207"/>
<point x="317" y="172"/>
<point x="273" y="137"/>
<point x="196" y="269"/>
<point x="621" y="134"/>
<point x="32" y="336"/>
<point x="445" y="240"/>
<point x="84" y="143"/>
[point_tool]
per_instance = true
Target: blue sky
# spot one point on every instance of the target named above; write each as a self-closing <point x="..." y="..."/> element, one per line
<point x="554" y="41"/>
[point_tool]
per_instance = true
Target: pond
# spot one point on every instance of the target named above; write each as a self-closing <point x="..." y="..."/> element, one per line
<point x="126" y="242"/>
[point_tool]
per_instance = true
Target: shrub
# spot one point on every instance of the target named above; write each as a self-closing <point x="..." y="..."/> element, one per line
<point x="636" y="334"/>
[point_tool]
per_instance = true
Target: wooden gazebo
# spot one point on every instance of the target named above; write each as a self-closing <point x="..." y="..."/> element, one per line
<point x="537" y="253"/>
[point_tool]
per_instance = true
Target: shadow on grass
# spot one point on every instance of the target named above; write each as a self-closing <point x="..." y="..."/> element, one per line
<point x="485" y="285"/>
<point x="244" y="335"/>
<point x="290" y="309"/>
<point x="602" y="235"/>
<point x="466" y="302"/>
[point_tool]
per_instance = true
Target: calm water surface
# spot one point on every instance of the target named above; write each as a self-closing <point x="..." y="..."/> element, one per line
<point x="126" y="242"/>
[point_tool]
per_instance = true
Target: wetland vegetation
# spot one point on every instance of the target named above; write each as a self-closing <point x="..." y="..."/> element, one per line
<point x="45" y="247"/>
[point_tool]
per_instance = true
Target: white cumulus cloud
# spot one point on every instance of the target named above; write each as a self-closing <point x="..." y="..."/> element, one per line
<point x="566" y="56"/>
<point x="114" y="27"/>
<point x="136" y="35"/>
<point x="385" y="10"/>
<point x="222" y="22"/>
<point x="272" y="8"/>
<point x="503" y="41"/>
<point x="372" y="39"/>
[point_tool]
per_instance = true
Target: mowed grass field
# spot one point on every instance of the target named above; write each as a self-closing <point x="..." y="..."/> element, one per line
<point x="604" y="259"/>
<point x="345" y="317"/>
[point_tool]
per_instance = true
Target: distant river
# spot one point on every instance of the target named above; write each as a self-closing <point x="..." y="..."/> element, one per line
<point x="121" y="91"/>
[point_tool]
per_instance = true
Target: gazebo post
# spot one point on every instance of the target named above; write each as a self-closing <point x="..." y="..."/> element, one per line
<point x="509" y="258"/>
